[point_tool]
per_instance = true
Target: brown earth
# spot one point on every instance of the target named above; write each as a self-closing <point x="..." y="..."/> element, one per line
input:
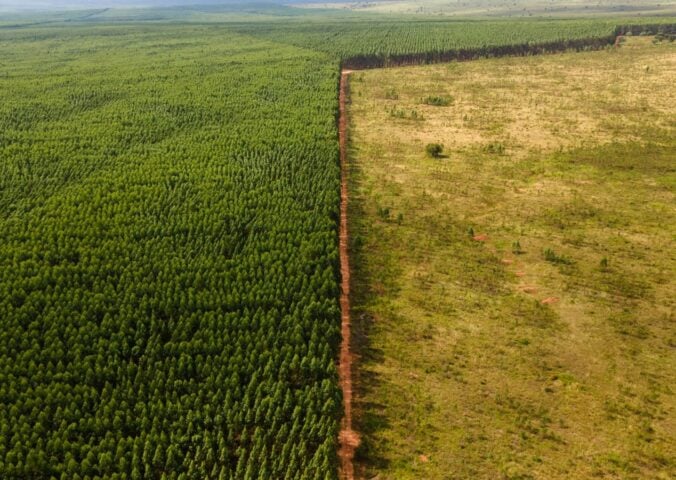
<point x="348" y="438"/>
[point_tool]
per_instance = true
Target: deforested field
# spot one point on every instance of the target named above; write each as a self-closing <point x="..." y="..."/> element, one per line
<point x="169" y="235"/>
<point x="514" y="297"/>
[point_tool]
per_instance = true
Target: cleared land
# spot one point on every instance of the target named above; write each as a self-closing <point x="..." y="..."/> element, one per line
<point x="513" y="302"/>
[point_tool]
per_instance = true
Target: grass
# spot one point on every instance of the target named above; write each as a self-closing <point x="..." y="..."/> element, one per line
<point x="514" y="308"/>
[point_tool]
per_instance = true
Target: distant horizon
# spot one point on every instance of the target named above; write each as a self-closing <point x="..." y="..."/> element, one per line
<point x="7" y="6"/>
<point x="431" y="6"/>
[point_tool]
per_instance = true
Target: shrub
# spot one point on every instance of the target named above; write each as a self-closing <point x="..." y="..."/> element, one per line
<point x="437" y="101"/>
<point x="401" y="113"/>
<point x="516" y="248"/>
<point x="434" y="150"/>
<point x="495" y="147"/>
<point x="553" y="257"/>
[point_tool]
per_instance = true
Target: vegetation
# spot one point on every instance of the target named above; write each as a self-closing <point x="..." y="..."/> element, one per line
<point x="437" y="100"/>
<point x="478" y="356"/>
<point x="552" y="257"/>
<point x="169" y="200"/>
<point x="434" y="150"/>
<point x="378" y="43"/>
<point x="168" y="256"/>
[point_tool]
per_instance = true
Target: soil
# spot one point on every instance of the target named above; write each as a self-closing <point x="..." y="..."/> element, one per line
<point x="348" y="438"/>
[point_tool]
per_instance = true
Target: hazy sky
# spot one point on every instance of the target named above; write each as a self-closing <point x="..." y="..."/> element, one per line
<point x="54" y="4"/>
<point x="11" y="5"/>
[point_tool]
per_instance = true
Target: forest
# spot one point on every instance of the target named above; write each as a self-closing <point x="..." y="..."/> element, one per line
<point x="169" y="205"/>
<point x="168" y="275"/>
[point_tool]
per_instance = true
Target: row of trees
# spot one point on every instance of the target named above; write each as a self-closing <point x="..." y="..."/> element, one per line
<point x="381" y="43"/>
<point x="168" y="257"/>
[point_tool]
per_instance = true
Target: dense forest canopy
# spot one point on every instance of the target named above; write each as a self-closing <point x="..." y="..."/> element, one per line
<point x="168" y="204"/>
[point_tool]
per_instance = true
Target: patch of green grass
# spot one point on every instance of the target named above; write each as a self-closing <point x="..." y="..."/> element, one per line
<point x="552" y="257"/>
<point x="437" y="100"/>
<point x="619" y="157"/>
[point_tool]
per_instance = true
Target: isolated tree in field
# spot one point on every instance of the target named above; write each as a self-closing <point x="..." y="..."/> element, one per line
<point x="434" y="150"/>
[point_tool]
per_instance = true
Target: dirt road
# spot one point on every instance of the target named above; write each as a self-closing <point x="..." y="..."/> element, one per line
<point x="349" y="440"/>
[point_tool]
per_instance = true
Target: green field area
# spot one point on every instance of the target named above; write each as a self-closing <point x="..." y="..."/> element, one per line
<point x="168" y="261"/>
<point x="514" y="298"/>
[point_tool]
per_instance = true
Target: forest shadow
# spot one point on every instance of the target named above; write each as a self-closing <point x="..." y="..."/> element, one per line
<point x="368" y="416"/>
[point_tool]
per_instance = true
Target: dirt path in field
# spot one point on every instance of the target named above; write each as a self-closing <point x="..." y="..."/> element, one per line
<point x="348" y="437"/>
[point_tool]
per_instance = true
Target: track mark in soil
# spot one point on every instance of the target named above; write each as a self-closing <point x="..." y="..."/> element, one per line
<point x="550" y="300"/>
<point x="348" y="438"/>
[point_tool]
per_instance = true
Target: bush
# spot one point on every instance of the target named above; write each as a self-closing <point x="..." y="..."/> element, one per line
<point x="401" y="113"/>
<point x="516" y="248"/>
<point x="434" y="150"/>
<point x="437" y="101"/>
<point x="553" y="257"/>
<point x="495" y="147"/>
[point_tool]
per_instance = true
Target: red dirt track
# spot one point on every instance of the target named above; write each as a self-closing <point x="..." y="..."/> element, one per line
<point x="349" y="439"/>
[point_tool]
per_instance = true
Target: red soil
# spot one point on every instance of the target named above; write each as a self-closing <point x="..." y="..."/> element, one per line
<point x="349" y="439"/>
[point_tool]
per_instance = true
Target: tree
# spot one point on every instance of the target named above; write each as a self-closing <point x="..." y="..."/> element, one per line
<point x="434" y="150"/>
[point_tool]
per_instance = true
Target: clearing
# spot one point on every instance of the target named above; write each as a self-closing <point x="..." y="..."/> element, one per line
<point x="513" y="301"/>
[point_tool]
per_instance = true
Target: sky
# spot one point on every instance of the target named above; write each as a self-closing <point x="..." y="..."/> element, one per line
<point x="28" y="5"/>
<point x="60" y="4"/>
